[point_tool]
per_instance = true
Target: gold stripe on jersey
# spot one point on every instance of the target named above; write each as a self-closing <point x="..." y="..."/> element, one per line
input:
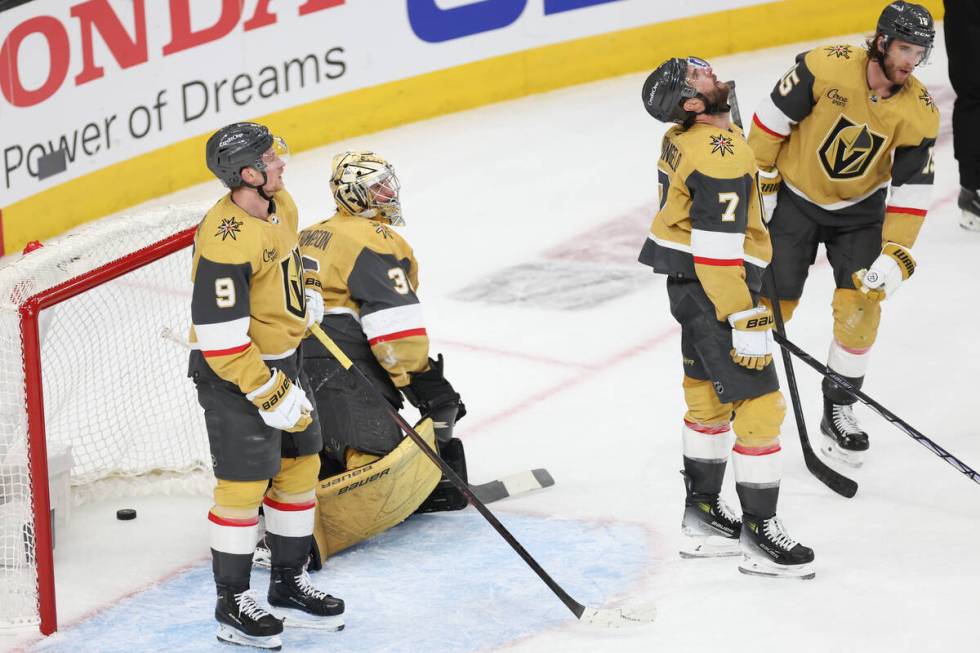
<point x="365" y="269"/>
<point x="709" y="225"/>
<point x="836" y="144"/>
<point x="248" y="302"/>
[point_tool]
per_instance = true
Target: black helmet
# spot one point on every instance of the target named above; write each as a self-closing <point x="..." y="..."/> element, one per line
<point x="236" y="146"/>
<point x="909" y="22"/>
<point x="666" y="89"/>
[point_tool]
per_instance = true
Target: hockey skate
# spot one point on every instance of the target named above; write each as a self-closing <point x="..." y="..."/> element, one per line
<point x="262" y="556"/>
<point x="709" y="528"/>
<point x="768" y="550"/>
<point x="969" y="203"/>
<point x="300" y="605"/>
<point x="242" y="621"/>
<point x="843" y="438"/>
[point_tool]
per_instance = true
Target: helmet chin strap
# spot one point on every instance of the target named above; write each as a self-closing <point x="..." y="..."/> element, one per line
<point x="260" y="189"/>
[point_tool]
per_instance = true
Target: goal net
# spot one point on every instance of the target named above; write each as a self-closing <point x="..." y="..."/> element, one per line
<point x="93" y="361"/>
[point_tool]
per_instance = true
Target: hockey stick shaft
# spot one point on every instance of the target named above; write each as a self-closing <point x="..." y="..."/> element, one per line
<point x="574" y="606"/>
<point x="901" y="424"/>
<point x="837" y="482"/>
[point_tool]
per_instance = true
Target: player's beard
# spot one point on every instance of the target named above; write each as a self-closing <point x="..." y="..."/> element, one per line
<point x="889" y="69"/>
<point x="717" y="98"/>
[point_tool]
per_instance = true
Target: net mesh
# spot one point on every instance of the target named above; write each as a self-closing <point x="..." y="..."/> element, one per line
<point x="114" y="375"/>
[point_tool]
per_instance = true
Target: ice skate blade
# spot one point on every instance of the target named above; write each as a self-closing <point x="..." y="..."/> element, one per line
<point x="830" y="449"/>
<point x="298" y="619"/>
<point x="756" y="567"/>
<point x="262" y="558"/>
<point x="969" y="221"/>
<point x="708" y="546"/>
<point x="228" y="635"/>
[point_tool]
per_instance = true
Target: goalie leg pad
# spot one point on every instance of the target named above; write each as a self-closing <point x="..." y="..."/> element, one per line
<point x="360" y="503"/>
<point x="447" y="496"/>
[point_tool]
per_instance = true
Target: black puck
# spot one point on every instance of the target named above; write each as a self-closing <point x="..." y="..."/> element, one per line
<point x="125" y="514"/>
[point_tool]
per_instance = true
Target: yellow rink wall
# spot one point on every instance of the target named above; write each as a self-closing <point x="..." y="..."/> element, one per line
<point x="463" y="87"/>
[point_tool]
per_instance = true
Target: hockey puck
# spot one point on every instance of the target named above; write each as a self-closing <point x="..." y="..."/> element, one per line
<point x="125" y="514"/>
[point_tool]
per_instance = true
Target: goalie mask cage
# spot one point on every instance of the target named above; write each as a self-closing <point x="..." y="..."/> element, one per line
<point x="84" y="365"/>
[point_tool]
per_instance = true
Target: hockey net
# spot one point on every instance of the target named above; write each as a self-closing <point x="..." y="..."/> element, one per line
<point x="112" y="305"/>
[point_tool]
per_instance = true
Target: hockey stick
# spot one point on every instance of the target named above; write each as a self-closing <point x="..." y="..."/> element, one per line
<point x="611" y="617"/>
<point x="502" y="488"/>
<point x="901" y="424"/>
<point x="513" y="485"/>
<point x="824" y="473"/>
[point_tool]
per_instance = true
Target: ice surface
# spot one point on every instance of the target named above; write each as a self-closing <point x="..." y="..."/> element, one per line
<point x="533" y="203"/>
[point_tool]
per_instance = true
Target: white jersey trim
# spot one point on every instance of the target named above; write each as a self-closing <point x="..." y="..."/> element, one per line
<point x="343" y="310"/>
<point x="835" y="206"/>
<point x="392" y="320"/>
<point x="716" y="244"/>
<point x="223" y="335"/>
<point x="911" y="196"/>
<point x="680" y="247"/>
<point x="773" y="118"/>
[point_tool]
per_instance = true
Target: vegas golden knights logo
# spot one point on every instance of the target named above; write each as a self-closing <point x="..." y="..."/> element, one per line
<point x="292" y="279"/>
<point x="849" y="149"/>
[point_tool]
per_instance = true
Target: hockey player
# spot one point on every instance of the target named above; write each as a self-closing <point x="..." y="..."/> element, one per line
<point x="841" y="127"/>
<point x="708" y="238"/>
<point x="367" y="276"/>
<point x="961" y="25"/>
<point x="249" y="313"/>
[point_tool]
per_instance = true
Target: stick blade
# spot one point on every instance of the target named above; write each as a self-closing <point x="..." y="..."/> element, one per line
<point x="513" y="485"/>
<point x="830" y="477"/>
<point x="629" y="617"/>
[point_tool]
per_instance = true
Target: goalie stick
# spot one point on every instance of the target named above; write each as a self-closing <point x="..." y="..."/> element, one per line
<point x="836" y="481"/>
<point x="609" y="617"/>
<point x="513" y="485"/>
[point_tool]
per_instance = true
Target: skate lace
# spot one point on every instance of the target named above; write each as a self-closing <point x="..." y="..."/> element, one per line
<point x="845" y="421"/>
<point x="774" y="530"/>
<point x="248" y="606"/>
<point x="305" y="586"/>
<point x="722" y="508"/>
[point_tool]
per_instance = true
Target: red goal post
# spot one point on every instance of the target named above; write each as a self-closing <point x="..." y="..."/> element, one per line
<point x="83" y="364"/>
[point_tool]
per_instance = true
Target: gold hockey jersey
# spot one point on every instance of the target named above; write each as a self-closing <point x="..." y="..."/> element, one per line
<point x="842" y="148"/>
<point x="709" y="226"/>
<point x="367" y="273"/>
<point x="248" y="308"/>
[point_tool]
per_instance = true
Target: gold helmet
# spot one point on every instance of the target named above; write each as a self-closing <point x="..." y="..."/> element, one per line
<point x="364" y="184"/>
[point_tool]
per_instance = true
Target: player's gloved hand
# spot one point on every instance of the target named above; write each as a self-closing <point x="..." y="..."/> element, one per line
<point x="433" y="395"/>
<point x="314" y="306"/>
<point x="769" y="183"/>
<point x="282" y="404"/>
<point x="752" y="341"/>
<point x="893" y="266"/>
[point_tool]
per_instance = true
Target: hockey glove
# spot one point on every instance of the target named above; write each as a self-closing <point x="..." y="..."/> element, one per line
<point x="282" y="404"/>
<point x="769" y="183"/>
<point x="752" y="341"/>
<point x="314" y="306"/>
<point x="893" y="266"/>
<point x="433" y="395"/>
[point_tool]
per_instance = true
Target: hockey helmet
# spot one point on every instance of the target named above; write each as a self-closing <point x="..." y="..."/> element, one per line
<point x="364" y="184"/>
<point x="242" y="145"/>
<point x="908" y="22"/>
<point x="666" y="89"/>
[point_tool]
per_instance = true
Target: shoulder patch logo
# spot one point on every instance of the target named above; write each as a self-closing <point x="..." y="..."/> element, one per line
<point x="927" y="100"/>
<point x="849" y="149"/>
<point x="382" y="230"/>
<point x="839" y="51"/>
<point x="721" y="144"/>
<point x="229" y="227"/>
